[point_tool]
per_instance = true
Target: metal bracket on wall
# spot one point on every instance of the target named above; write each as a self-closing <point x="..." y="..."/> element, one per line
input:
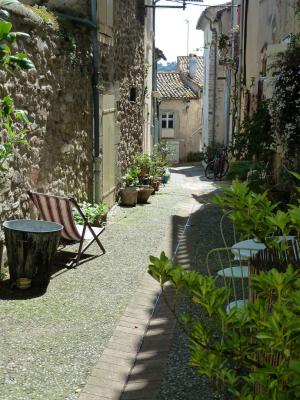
<point x="183" y="6"/>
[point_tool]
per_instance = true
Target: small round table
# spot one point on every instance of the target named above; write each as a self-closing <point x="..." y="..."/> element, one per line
<point x="247" y="248"/>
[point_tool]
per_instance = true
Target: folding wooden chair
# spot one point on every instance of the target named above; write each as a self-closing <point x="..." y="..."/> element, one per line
<point x="59" y="209"/>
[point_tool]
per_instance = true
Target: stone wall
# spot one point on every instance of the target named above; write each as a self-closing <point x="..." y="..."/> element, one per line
<point x="129" y="71"/>
<point x="58" y="98"/>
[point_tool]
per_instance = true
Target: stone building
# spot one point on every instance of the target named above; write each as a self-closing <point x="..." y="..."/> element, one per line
<point x="180" y="107"/>
<point x="238" y="75"/>
<point x="214" y="22"/>
<point x="85" y="98"/>
<point x="266" y="28"/>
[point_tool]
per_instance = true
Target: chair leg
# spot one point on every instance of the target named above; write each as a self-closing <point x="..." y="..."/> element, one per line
<point x="82" y="249"/>
<point x="96" y="238"/>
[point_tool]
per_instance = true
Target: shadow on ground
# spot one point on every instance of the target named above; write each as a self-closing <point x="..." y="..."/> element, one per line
<point x="192" y="238"/>
<point x="63" y="258"/>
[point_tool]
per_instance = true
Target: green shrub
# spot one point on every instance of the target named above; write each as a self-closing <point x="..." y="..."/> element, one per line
<point x="131" y="179"/>
<point x="210" y="151"/>
<point x="235" y="348"/>
<point x="142" y="160"/>
<point x="239" y="169"/>
<point x="92" y="212"/>
<point x="197" y="156"/>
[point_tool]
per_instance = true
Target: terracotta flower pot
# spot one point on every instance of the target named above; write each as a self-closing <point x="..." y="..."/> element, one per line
<point x="144" y="193"/>
<point x="129" y="196"/>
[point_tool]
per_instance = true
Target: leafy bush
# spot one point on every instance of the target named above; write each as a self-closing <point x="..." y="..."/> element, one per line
<point x="160" y="154"/>
<point x="131" y="179"/>
<point x="255" y="139"/>
<point x="237" y="348"/>
<point x="249" y="211"/>
<point x="196" y="156"/>
<point x="13" y="122"/>
<point x="239" y="169"/>
<point x="142" y="160"/>
<point x="92" y="212"/>
<point x="255" y="216"/>
<point x="210" y="151"/>
<point x="284" y="104"/>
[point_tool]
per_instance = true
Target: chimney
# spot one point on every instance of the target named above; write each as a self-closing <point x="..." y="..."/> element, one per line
<point x="192" y="67"/>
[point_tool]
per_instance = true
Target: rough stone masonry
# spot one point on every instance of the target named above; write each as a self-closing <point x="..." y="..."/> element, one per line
<point x="58" y="98"/>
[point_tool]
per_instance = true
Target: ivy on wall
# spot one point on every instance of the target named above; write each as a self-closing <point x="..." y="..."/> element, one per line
<point x="285" y="103"/>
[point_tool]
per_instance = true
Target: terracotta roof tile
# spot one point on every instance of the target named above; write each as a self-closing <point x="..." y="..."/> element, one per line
<point x="171" y="86"/>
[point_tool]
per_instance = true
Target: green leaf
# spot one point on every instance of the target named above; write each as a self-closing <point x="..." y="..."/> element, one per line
<point x="22" y="116"/>
<point x="21" y="61"/>
<point x="5" y="28"/>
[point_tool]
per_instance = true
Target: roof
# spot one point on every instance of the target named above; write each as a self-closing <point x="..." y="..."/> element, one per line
<point x="171" y="86"/>
<point x="182" y="66"/>
<point x="209" y="14"/>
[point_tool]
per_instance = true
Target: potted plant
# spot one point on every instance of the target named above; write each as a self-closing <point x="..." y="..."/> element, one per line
<point x="129" y="193"/>
<point x="143" y="162"/>
<point x="144" y="192"/>
<point x="96" y="214"/>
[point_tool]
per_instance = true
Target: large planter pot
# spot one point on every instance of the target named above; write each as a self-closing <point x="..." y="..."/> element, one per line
<point x="31" y="246"/>
<point x="144" y="193"/>
<point x="129" y="196"/>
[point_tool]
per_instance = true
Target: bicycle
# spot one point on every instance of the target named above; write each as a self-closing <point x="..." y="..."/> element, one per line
<point x="218" y="167"/>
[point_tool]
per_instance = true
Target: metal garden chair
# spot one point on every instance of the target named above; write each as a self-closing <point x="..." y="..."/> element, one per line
<point x="224" y="264"/>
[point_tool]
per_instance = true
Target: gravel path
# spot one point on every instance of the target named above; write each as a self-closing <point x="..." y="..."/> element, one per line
<point x="181" y="382"/>
<point x="50" y="343"/>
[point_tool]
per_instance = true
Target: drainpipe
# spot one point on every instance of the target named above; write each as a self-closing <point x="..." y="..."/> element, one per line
<point x="80" y="21"/>
<point x="240" y="69"/>
<point x="96" y="108"/>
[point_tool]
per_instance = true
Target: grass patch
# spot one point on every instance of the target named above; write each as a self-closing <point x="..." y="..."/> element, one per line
<point x="47" y="16"/>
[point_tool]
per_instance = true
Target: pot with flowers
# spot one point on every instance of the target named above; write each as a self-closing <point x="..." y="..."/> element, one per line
<point x="144" y="163"/>
<point x="129" y="193"/>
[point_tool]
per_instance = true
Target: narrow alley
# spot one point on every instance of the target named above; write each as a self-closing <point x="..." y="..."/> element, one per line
<point x="77" y="340"/>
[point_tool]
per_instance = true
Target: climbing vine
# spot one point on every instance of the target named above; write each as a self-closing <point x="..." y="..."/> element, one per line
<point x="285" y="103"/>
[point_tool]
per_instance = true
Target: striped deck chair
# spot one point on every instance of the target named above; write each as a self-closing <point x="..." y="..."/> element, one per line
<point x="59" y="209"/>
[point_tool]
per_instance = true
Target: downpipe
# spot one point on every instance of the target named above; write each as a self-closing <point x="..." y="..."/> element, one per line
<point x="97" y="158"/>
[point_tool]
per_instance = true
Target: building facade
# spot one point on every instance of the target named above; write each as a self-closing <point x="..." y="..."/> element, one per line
<point x="180" y="107"/>
<point x="86" y="99"/>
<point x="215" y="22"/>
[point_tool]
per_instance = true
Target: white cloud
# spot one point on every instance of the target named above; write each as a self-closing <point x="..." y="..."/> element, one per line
<point x="171" y="28"/>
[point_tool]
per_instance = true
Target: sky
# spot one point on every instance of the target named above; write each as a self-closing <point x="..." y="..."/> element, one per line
<point x="172" y="27"/>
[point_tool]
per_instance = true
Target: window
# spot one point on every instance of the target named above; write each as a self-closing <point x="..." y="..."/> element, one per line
<point x="167" y="120"/>
<point x="132" y="94"/>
